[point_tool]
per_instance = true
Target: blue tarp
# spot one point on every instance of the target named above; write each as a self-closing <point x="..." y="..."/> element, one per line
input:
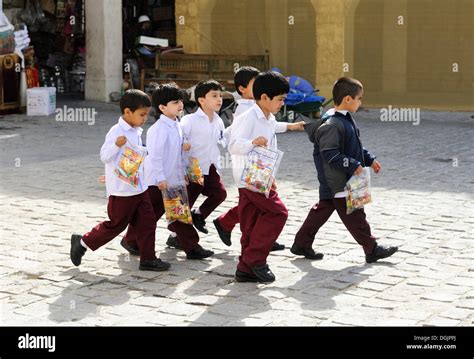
<point x="301" y="91"/>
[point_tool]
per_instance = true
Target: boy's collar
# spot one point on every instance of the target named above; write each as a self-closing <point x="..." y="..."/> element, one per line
<point x="246" y="100"/>
<point x="260" y="112"/>
<point x="126" y="127"/>
<point x="167" y="120"/>
<point x="200" y="112"/>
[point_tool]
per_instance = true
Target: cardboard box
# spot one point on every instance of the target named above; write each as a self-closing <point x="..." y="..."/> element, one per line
<point x="41" y="101"/>
<point x="152" y="41"/>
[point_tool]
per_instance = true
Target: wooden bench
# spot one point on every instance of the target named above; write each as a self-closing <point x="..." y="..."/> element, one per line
<point x="186" y="69"/>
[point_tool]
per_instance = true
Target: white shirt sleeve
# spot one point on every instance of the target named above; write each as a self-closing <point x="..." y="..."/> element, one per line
<point x="157" y="140"/>
<point x="186" y="125"/>
<point x="240" y="140"/>
<point x="281" y="127"/>
<point x="223" y="134"/>
<point x="109" y="150"/>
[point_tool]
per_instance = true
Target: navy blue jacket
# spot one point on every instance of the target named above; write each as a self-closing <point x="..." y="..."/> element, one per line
<point x="338" y="151"/>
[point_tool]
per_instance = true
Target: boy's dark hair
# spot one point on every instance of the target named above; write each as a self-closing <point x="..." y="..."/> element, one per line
<point x="134" y="100"/>
<point x="270" y="83"/>
<point x="345" y="86"/>
<point x="205" y="86"/>
<point x="166" y="93"/>
<point x="243" y="76"/>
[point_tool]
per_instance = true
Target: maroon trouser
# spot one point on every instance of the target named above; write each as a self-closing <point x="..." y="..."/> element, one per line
<point x="355" y="223"/>
<point x="213" y="189"/>
<point x="229" y="219"/>
<point x="261" y="221"/>
<point x="135" y="211"/>
<point x="188" y="238"/>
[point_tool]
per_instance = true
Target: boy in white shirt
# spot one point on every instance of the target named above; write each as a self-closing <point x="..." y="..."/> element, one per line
<point x="204" y="129"/>
<point x="165" y="166"/>
<point x="244" y="79"/>
<point x="261" y="219"/>
<point x="128" y="204"/>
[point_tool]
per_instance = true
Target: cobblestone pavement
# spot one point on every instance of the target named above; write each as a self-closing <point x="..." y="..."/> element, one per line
<point x="423" y="202"/>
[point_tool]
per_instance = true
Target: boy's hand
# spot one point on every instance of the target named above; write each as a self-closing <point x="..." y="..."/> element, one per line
<point x="102" y="179"/>
<point x="297" y="126"/>
<point x="376" y="166"/>
<point x="163" y="185"/>
<point x="274" y="185"/>
<point x="260" y="141"/>
<point x="358" y="171"/>
<point x="186" y="146"/>
<point x="121" y="141"/>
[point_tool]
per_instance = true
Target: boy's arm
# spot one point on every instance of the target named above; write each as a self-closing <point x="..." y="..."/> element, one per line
<point x="185" y="124"/>
<point x="109" y="150"/>
<point x="241" y="141"/>
<point x="281" y="127"/>
<point x="156" y="141"/>
<point x="368" y="158"/>
<point x="227" y="133"/>
<point x="330" y="147"/>
<point x="223" y="135"/>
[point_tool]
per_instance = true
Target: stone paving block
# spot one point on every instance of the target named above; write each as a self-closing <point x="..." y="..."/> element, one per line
<point x="378" y="287"/>
<point x="423" y="282"/>
<point x="440" y="322"/>
<point x="439" y="296"/>
<point x="456" y="313"/>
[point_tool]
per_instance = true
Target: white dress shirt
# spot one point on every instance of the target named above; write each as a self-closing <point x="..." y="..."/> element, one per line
<point x="110" y="155"/>
<point x="245" y="128"/>
<point x="164" y="141"/>
<point x="203" y="136"/>
<point x="243" y="106"/>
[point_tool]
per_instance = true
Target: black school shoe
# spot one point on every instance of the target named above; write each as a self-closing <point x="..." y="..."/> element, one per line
<point x="263" y="273"/>
<point x="77" y="250"/>
<point x="199" y="222"/>
<point x="306" y="252"/>
<point x="277" y="247"/>
<point x="130" y="249"/>
<point x="243" y="277"/>
<point x="172" y="242"/>
<point x="223" y="235"/>
<point x="156" y="265"/>
<point x="199" y="253"/>
<point x="380" y="252"/>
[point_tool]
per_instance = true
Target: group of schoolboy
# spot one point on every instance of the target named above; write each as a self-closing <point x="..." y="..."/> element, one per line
<point x="338" y="155"/>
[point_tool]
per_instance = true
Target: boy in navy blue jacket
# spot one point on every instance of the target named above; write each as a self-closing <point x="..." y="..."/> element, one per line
<point x="338" y="155"/>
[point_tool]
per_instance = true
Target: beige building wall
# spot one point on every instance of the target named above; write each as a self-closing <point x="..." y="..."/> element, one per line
<point x="417" y="53"/>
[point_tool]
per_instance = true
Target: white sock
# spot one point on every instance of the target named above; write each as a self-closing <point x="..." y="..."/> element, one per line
<point x="84" y="245"/>
<point x="174" y="235"/>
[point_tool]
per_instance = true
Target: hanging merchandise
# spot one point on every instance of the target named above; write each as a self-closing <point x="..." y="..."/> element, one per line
<point x="7" y="38"/>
